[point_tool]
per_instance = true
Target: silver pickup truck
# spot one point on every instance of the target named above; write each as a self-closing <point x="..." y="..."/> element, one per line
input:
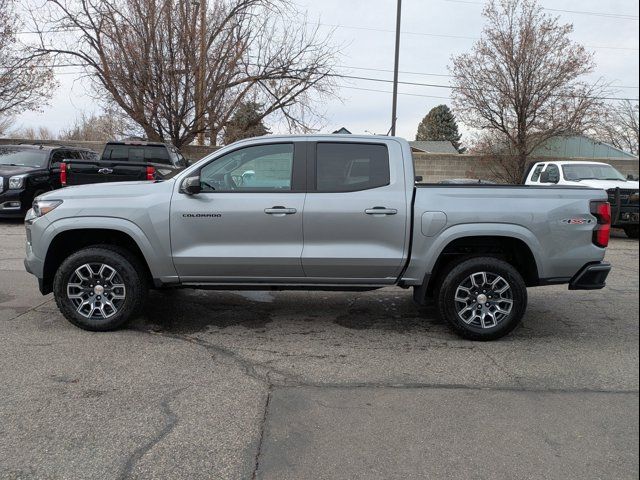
<point x="315" y="212"/>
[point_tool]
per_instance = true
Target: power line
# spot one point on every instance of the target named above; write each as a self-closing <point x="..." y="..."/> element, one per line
<point x="622" y="16"/>
<point x="439" y="74"/>
<point x="427" y="34"/>
<point x="391" y="93"/>
<point x="436" y="85"/>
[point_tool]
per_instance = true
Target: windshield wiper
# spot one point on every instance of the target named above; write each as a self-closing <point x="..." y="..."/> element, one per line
<point x="14" y="164"/>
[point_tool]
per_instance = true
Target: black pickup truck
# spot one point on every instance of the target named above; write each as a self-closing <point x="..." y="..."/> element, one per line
<point x="124" y="161"/>
<point x="27" y="171"/>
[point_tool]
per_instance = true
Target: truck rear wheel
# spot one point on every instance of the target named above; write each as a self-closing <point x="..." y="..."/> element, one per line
<point x="482" y="298"/>
<point x="100" y="288"/>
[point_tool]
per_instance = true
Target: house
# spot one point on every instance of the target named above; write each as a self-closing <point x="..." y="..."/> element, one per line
<point x="342" y="131"/>
<point x="433" y="146"/>
<point x="566" y="146"/>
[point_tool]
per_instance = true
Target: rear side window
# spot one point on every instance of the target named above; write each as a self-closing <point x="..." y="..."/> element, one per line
<point x="347" y="167"/>
<point x="137" y="153"/>
<point x="536" y="172"/>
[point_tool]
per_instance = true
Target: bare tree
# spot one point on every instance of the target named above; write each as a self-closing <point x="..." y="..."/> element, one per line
<point x="522" y="81"/>
<point x="33" y="133"/>
<point x="110" y="125"/>
<point x="618" y="125"/>
<point x="147" y="55"/>
<point x="25" y="80"/>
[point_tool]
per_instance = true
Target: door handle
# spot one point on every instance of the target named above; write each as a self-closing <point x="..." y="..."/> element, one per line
<point x="105" y="171"/>
<point x="280" y="211"/>
<point x="381" y="211"/>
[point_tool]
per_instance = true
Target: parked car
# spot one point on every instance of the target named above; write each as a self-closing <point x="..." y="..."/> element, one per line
<point x="125" y="161"/>
<point x="27" y="171"/>
<point x="316" y="212"/>
<point x="622" y="192"/>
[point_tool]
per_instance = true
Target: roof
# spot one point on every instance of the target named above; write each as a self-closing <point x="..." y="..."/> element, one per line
<point x="39" y="146"/>
<point x="342" y="131"/>
<point x="571" y="162"/>
<point x="433" y="146"/>
<point x="573" y="146"/>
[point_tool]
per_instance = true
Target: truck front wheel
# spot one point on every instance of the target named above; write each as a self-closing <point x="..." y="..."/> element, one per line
<point x="100" y="288"/>
<point x="482" y="298"/>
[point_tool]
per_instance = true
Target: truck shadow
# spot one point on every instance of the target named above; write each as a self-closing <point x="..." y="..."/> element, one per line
<point x="191" y="311"/>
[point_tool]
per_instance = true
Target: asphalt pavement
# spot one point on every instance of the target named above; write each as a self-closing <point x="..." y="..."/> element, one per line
<point x="318" y="385"/>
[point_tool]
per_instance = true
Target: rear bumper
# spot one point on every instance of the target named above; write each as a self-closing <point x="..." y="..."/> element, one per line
<point x="592" y="276"/>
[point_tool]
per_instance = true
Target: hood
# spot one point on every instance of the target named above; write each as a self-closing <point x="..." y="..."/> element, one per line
<point x="108" y="190"/>
<point x="10" y="170"/>
<point x="609" y="184"/>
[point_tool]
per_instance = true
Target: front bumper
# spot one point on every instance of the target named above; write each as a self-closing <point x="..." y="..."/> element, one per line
<point x="592" y="276"/>
<point x="13" y="203"/>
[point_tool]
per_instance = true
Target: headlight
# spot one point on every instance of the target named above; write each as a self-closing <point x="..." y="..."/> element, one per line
<point x="634" y="197"/>
<point x="42" y="207"/>
<point x="16" y="182"/>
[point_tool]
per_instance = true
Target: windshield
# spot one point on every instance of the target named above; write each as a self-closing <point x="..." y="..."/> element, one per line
<point x="588" y="171"/>
<point x="23" y="157"/>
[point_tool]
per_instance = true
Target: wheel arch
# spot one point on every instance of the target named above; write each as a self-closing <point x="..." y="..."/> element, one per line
<point x="69" y="239"/>
<point x="511" y="243"/>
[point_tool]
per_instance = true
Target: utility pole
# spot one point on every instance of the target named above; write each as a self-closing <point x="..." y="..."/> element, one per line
<point x="394" y="107"/>
<point x="202" y="66"/>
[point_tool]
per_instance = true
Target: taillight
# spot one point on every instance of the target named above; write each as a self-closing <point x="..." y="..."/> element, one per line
<point x="602" y="232"/>
<point x="151" y="173"/>
<point x="63" y="174"/>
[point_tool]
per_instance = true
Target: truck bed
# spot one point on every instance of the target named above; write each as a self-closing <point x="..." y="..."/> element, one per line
<point x="555" y="223"/>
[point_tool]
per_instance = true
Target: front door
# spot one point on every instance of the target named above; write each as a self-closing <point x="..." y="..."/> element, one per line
<point x="246" y="224"/>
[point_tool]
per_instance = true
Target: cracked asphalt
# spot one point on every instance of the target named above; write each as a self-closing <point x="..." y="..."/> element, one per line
<point x="295" y="385"/>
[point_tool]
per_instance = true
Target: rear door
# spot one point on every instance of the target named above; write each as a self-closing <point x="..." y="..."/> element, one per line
<point x="356" y="212"/>
<point x="245" y="225"/>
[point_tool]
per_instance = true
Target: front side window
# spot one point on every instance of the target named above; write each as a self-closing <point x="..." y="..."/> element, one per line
<point x="261" y="168"/>
<point x="348" y="167"/>
<point x="554" y="173"/>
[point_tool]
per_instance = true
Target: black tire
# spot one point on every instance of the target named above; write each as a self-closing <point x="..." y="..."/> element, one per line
<point x="631" y="231"/>
<point x="129" y="273"/>
<point x="459" y="276"/>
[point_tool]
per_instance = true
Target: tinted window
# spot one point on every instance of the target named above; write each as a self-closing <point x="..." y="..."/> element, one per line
<point x="92" y="156"/>
<point x="59" y="155"/>
<point x="262" y="167"/>
<point x="536" y="172"/>
<point x="344" y="167"/>
<point x="137" y="153"/>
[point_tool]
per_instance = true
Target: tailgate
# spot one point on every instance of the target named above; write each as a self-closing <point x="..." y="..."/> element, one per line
<point x="82" y="172"/>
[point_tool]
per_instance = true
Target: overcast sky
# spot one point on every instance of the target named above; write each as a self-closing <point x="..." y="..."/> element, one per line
<point x="433" y="31"/>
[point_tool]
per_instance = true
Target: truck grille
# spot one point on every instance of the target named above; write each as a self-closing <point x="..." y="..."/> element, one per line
<point x="628" y="197"/>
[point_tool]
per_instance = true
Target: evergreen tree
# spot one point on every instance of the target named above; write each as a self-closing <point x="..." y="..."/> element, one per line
<point x="440" y="124"/>
<point x="246" y="122"/>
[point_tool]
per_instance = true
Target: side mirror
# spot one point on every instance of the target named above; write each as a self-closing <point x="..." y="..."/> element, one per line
<point x="191" y="185"/>
<point x="418" y="178"/>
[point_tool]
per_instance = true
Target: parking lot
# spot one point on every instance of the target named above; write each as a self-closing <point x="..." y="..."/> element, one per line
<point x="318" y="385"/>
